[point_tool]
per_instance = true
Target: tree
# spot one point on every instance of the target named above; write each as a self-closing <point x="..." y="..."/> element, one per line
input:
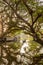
<point x="33" y="12"/>
<point x="17" y="16"/>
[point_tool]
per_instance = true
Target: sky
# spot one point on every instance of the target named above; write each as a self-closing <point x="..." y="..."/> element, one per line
<point x="41" y="2"/>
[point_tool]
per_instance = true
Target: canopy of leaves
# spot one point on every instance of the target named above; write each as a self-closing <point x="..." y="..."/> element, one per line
<point x="16" y="17"/>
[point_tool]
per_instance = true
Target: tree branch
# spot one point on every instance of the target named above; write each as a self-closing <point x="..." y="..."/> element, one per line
<point x="39" y="15"/>
<point x="3" y="40"/>
<point x="17" y="14"/>
<point x="29" y="10"/>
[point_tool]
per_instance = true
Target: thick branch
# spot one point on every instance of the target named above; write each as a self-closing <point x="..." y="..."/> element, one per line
<point x="36" y="37"/>
<point x="29" y="10"/>
<point x="39" y="15"/>
<point x="9" y="40"/>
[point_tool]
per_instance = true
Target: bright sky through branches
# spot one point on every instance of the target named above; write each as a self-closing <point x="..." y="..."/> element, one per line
<point x="41" y="1"/>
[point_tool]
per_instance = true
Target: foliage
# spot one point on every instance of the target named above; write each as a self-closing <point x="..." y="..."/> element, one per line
<point x="21" y="16"/>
